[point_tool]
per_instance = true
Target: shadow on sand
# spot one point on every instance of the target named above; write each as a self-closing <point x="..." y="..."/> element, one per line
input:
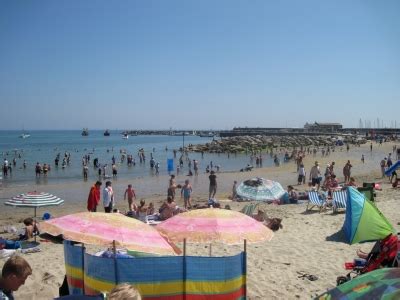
<point x="337" y="237"/>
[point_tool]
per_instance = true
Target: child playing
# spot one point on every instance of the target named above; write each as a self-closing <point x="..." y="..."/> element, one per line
<point x="186" y="191"/>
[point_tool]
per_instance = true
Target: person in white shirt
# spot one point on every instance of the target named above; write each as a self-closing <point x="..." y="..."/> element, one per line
<point x="302" y="174"/>
<point x="315" y="175"/>
<point x="108" y="197"/>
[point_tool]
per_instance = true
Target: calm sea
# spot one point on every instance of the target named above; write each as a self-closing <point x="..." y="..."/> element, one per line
<point x="43" y="146"/>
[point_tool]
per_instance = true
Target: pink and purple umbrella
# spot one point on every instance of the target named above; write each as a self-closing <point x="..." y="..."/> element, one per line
<point x="106" y="228"/>
<point x="213" y="224"/>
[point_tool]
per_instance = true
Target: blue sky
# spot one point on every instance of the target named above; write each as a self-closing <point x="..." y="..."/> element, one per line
<point x="198" y="64"/>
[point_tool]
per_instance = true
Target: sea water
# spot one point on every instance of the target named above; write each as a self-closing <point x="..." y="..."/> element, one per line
<point x="43" y="146"/>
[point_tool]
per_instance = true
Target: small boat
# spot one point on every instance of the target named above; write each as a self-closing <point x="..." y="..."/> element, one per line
<point x="106" y="133"/>
<point x="125" y="136"/>
<point x="24" y="136"/>
<point x="85" y="132"/>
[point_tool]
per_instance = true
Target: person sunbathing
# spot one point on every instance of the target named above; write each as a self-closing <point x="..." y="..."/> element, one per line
<point x="382" y="254"/>
<point x="272" y="223"/>
<point x="31" y="229"/>
<point x="142" y="211"/>
<point x="167" y="209"/>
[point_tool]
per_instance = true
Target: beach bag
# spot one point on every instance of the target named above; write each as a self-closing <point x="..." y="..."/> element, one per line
<point x="12" y="244"/>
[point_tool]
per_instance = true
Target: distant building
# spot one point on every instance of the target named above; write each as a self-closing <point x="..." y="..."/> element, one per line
<point x="323" y="127"/>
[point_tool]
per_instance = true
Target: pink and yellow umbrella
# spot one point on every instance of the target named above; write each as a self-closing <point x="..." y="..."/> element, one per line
<point x="106" y="228"/>
<point x="213" y="224"/>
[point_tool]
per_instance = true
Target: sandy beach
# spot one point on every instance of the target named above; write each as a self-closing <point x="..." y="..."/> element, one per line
<point x="309" y="242"/>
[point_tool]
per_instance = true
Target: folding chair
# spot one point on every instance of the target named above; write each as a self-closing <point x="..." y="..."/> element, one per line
<point x="314" y="199"/>
<point x="339" y="200"/>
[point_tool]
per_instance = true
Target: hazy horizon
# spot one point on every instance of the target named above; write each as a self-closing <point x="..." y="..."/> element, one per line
<point x="210" y="65"/>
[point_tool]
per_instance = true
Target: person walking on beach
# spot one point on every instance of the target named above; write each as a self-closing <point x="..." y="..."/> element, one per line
<point x="234" y="190"/>
<point x="347" y="171"/>
<point x="94" y="197"/>
<point x="362" y="158"/>
<point x="302" y="174"/>
<point x="315" y="174"/>
<point x="212" y="190"/>
<point x="383" y="166"/>
<point x="186" y="192"/>
<point x="172" y="187"/>
<point x="108" y="197"/>
<point x="130" y="193"/>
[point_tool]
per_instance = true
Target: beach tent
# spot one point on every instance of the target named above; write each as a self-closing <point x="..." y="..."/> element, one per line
<point x="394" y="167"/>
<point x="364" y="222"/>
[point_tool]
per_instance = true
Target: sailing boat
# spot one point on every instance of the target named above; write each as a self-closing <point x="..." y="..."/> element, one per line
<point x="24" y="135"/>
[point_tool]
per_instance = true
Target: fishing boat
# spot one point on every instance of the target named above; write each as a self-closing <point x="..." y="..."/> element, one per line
<point x="106" y="133"/>
<point x="85" y="132"/>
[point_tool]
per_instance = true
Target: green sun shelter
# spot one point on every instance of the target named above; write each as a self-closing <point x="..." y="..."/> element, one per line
<point x="364" y="222"/>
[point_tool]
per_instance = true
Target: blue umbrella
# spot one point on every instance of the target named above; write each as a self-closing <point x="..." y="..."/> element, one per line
<point x="260" y="189"/>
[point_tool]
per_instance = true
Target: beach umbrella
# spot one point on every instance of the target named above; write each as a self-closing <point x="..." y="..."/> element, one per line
<point x="110" y="229"/>
<point x="35" y="200"/>
<point x="214" y="224"/>
<point x="379" y="284"/>
<point x="260" y="189"/>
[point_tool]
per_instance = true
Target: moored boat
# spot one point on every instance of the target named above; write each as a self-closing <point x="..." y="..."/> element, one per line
<point x="85" y="132"/>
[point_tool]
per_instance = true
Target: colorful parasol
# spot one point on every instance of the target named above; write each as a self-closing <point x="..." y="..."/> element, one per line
<point x="378" y="284"/>
<point x="104" y="228"/>
<point x="260" y="189"/>
<point x="214" y="224"/>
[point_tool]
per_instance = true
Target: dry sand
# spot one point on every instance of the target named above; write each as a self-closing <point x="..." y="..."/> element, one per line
<point x="308" y="242"/>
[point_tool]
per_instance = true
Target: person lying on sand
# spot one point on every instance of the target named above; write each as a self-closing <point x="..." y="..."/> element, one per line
<point x="272" y="223"/>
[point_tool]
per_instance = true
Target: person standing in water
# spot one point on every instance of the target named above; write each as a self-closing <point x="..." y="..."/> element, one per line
<point x="186" y="192"/>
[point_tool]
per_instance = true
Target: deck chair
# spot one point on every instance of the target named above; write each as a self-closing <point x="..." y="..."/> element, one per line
<point x="339" y="200"/>
<point x="249" y="209"/>
<point x="314" y="199"/>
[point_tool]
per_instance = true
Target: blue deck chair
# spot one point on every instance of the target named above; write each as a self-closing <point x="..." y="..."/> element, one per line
<point x="314" y="199"/>
<point x="339" y="200"/>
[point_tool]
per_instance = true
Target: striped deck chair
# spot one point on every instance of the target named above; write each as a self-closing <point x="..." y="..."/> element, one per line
<point x="339" y="200"/>
<point x="314" y="199"/>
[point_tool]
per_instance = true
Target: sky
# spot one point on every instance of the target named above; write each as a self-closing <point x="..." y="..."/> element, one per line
<point x="198" y="64"/>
